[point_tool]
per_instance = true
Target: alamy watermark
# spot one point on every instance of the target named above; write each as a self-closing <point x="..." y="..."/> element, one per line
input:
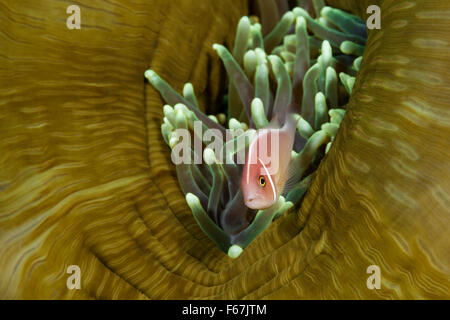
<point x="74" y="280"/>
<point x="374" y="20"/>
<point x="374" y="281"/>
<point x="263" y="147"/>
<point x="74" y="20"/>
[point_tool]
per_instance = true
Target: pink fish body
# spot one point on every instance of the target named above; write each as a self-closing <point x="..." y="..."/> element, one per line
<point x="266" y="169"/>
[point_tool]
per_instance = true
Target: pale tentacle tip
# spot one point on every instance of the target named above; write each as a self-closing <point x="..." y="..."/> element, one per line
<point x="169" y="113"/>
<point x="289" y="16"/>
<point x="217" y="46"/>
<point x="188" y="89"/>
<point x="170" y="122"/>
<point x="209" y="156"/>
<point x="213" y="118"/>
<point x="300" y="22"/>
<point x="300" y="12"/>
<point x="180" y="119"/>
<point x="150" y="75"/>
<point x="327" y="51"/>
<point x="173" y="140"/>
<point x="250" y="60"/>
<point x="325" y="10"/>
<point x="192" y="200"/>
<point x="181" y="107"/>
<point x="346" y="47"/>
<point x="327" y="149"/>
<point x="256" y="27"/>
<point x="258" y="114"/>
<point x="244" y="21"/>
<point x="234" y="124"/>
<point x="235" y="251"/>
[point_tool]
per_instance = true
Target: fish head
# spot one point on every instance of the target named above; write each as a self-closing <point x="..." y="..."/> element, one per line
<point x="258" y="182"/>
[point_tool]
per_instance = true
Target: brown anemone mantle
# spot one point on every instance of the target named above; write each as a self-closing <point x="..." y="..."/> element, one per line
<point x="86" y="179"/>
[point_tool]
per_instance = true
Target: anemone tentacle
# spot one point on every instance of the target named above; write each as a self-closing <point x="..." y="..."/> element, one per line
<point x="307" y="61"/>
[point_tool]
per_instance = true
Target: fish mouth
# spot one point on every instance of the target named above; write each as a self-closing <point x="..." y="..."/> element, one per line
<point x="252" y="203"/>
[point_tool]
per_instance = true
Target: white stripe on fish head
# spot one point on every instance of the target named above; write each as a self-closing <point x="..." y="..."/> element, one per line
<point x="270" y="180"/>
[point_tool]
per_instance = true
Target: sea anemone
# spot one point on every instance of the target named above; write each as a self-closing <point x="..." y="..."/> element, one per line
<point x="86" y="178"/>
<point x="297" y="63"/>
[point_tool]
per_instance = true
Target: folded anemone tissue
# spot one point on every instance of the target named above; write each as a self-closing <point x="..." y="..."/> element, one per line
<point x="229" y="149"/>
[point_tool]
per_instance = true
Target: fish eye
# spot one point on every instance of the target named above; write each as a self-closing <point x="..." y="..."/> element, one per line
<point x="262" y="181"/>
